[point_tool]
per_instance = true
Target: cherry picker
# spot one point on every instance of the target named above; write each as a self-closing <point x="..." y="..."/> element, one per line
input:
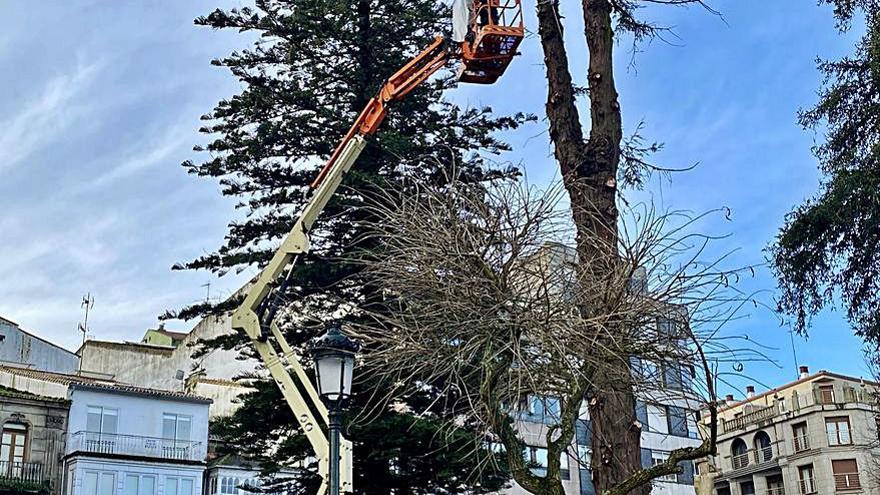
<point x="495" y="32"/>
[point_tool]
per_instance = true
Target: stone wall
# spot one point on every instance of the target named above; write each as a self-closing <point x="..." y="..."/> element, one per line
<point x="46" y="421"/>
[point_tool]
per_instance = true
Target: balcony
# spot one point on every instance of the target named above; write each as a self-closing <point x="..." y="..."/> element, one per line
<point x="133" y="445"/>
<point x="745" y="420"/>
<point x="752" y="456"/>
<point x="808" y="486"/>
<point x="776" y="490"/>
<point x="24" y="476"/>
<point x="21" y="471"/>
<point x="847" y="481"/>
<point x="801" y="443"/>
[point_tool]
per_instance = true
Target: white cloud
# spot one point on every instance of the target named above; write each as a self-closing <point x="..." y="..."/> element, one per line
<point x="45" y="117"/>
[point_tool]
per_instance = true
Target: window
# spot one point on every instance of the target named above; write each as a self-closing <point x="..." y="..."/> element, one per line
<point x="650" y="371"/>
<point x="846" y="474"/>
<point x="228" y="485"/>
<point x="584" y="411"/>
<point x="544" y="406"/>
<point x="179" y="486"/>
<point x="537" y="458"/>
<point x="692" y="421"/>
<point x="658" y="421"/>
<point x="687" y="377"/>
<point x="807" y="481"/>
<point x="801" y="440"/>
<point x="12" y="447"/>
<point x="747" y="488"/>
<point x="136" y="484"/>
<point x="781" y="402"/>
<point x="763" y="447"/>
<point x="739" y="454"/>
<point x="176" y="426"/>
<point x="585" y="456"/>
<point x="212" y="486"/>
<point x="658" y="457"/>
<point x="837" y="431"/>
<point x="99" y="483"/>
<point x="101" y="420"/>
<point x="826" y="394"/>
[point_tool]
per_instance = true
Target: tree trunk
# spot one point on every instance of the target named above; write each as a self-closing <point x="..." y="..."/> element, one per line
<point x="589" y="171"/>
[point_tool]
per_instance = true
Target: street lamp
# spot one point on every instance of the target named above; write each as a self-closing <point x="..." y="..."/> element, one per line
<point x="333" y="354"/>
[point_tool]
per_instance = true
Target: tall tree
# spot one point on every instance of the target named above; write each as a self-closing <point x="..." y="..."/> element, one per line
<point x="312" y="68"/>
<point x="829" y="246"/>
<point x="590" y="167"/>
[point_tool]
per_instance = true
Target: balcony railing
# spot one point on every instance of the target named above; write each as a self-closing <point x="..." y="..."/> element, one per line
<point x="847" y="481"/>
<point x="747" y="419"/>
<point x="807" y="486"/>
<point x="21" y="471"/>
<point x="162" y="448"/>
<point x="756" y="456"/>
<point x="764" y="454"/>
<point x="801" y="443"/>
<point x="776" y="490"/>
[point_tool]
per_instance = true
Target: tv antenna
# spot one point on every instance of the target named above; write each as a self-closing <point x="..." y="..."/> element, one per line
<point x="208" y="294"/>
<point x="88" y="302"/>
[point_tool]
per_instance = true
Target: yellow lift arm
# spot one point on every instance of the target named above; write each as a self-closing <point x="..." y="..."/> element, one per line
<point x="484" y="58"/>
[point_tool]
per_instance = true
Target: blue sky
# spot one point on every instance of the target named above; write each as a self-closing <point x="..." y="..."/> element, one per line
<point x="101" y="100"/>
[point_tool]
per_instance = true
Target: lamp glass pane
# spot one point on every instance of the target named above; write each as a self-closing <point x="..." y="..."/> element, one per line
<point x="346" y="375"/>
<point x="329" y="376"/>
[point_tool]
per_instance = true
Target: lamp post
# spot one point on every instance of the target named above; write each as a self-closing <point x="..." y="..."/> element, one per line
<point x="333" y="354"/>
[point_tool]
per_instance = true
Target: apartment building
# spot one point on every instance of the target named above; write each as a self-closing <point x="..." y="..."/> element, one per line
<point x="815" y="435"/>
<point x="666" y="407"/>
<point x="665" y="426"/>
<point x="121" y="439"/>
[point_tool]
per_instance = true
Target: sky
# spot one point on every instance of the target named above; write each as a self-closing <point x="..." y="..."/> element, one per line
<point x="100" y="104"/>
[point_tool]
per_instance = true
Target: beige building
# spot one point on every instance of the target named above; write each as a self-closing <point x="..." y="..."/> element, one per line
<point x="168" y="365"/>
<point x="816" y="435"/>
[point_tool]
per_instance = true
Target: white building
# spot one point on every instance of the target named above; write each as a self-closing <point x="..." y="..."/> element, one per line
<point x="121" y="439"/>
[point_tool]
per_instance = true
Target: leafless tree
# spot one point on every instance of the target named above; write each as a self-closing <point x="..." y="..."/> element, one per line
<point x="485" y="306"/>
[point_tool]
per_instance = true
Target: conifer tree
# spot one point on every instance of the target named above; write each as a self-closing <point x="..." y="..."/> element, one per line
<point x="312" y="68"/>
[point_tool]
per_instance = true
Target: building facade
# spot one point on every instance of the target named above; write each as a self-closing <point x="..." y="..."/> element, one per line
<point x="172" y="367"/>
<point x="32" y="442"/>
<point x="668" y="417"/>
<point x="131" y="441"/>
<point x="816" y="435"/>
<point x="122" y="439"/>
<point x="22" y="348"/>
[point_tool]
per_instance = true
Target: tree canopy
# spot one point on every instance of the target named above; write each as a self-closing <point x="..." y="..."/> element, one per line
<point x="313" y="66"/>
<point x="828" y="247"/>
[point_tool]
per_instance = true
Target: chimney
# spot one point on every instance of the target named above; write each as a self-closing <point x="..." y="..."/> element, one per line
<point x="750" y="391"/>
<point x="729" y="399"/>
<point x="804" y="371"/>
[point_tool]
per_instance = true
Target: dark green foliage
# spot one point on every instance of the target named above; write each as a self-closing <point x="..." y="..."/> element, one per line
<point x="312" y="68"/>
<point x="829" y="246"/>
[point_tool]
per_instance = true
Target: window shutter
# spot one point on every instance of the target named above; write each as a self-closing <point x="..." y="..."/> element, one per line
<point x="844" y="466"/>
<point x="646" y="458"/>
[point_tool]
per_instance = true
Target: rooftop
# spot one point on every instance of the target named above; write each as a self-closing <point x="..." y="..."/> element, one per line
<point x="808" y="378"/>
<point x="85" y="382"/>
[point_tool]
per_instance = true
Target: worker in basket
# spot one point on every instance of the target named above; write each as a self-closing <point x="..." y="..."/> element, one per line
<point x="463" y="12"/>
